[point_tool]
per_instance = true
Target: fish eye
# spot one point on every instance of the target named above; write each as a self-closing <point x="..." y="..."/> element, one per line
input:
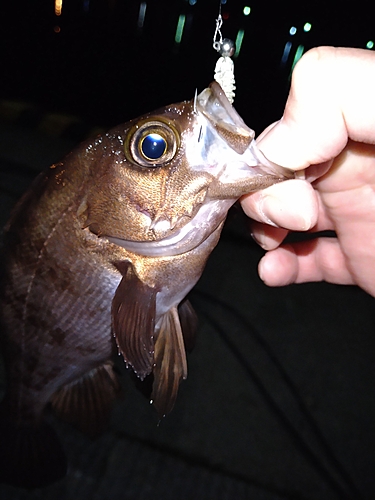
<point x="152" y="144"/>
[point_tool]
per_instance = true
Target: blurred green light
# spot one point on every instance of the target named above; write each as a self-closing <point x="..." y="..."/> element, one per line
<point x="298" y="55"/>
<point x="180" y="28"/>
<point x="239" y="39"/>
<point x="370" y="44"/>
<point x="307" y="27"/>
<point x="246" y="10"/>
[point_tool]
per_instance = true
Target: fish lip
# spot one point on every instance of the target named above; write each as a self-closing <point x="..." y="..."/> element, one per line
<point x="223" y="112"/>
<point x="213" y="104"/>
<point x="190" y="236"/>
<point x="219" y="93"/>
<point x="225" y="117"/>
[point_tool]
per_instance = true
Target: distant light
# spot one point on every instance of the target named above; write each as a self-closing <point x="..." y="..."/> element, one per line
<point x="307" y="27"/>
<point x="293" y="30"/>
<point x="180" y="28"/>
<point x="239" y="39"/>
<point x="370" y="44"/>
<point x="58" y="7"/>
<point x="225" y="15"/>
<point x="192" y="2"/>
<point x="57" y="29"/>
<point x="141" y="15"/>
<point x="286" y="53"/>
<point x="298" y="55"/>
<point x="223" y="2"/>
<point x="246" y="10"/>
<point x="86" y="5"/>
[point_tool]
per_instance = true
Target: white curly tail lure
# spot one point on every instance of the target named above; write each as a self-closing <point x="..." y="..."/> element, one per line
<point x="224" y="69"/>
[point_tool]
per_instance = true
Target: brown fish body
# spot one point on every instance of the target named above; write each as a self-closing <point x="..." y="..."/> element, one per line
<point x="99" y="256"/>
<point x="61" y="280"/>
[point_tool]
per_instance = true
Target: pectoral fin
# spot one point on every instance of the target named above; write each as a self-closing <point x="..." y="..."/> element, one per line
<point x="170" y="363"/>
<point x="133" y="320"/>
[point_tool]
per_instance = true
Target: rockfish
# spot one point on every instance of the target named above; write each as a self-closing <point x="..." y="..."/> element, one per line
<point x="99" y="256"/>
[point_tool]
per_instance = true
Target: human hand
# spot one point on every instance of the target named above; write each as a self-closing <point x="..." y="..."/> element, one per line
<point x="328" y="128"/>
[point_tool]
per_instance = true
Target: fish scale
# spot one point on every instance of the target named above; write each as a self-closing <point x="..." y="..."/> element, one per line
<point x="99" y="256"/>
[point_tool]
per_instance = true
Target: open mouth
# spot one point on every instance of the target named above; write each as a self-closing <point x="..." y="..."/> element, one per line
<point x="214" y="105"/>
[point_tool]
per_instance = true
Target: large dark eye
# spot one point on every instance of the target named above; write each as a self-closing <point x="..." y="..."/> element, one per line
<point x="153" y="146"/>
<point x="153" y="143"/>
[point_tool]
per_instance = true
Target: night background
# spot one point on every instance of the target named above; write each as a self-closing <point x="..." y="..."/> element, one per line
<point x="107" y="63"/>
<point x="279" y="402"/>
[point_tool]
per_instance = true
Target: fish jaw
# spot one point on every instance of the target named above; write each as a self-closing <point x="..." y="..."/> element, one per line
<point x="209" y="217"/>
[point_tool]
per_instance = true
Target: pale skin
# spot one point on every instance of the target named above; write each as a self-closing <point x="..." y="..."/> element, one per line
<point x="328" y="131"/>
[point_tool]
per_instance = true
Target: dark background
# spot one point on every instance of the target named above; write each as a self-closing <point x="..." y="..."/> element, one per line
<point x="102" y="66"/>
<point x="279" y="403"/>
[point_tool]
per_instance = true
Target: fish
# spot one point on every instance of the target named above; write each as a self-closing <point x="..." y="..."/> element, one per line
<point x="99" y="256"/>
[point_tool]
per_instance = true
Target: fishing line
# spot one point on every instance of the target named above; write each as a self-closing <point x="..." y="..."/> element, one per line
<point x="224" y="69"/>
<point x="300" y="441"/>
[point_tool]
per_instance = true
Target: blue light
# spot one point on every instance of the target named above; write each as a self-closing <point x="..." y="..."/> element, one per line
<point x="293" y="30"/>
<point x="370" y="44"/>
<point x="141" y="15"/>
<point x="286" y="53"/>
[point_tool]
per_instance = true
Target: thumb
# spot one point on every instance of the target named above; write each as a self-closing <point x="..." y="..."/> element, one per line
<point x="312" y="129"/>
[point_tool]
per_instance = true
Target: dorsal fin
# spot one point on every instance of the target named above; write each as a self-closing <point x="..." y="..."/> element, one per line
<point x="133" y="320"/>
<point x="87" y="402"/>
<point x="170" y="363"/>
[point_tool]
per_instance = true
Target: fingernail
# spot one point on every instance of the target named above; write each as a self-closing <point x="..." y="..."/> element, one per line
<point x="281" y="214"/>
<point x="265" y="240"/>
<point x="264" y="210"/>
<point x="259" y="237"/>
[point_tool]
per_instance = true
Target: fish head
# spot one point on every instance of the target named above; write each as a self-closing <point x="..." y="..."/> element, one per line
<point x="167" y="179"/>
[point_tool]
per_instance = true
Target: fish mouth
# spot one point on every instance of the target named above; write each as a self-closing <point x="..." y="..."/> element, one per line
<point x="208" y="218"/>
<point x="214" y="105"/>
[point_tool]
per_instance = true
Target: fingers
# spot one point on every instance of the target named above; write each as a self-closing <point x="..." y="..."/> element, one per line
<point x="268" y="237"/>
<point x="314" y="260"/>
<point x="291" y="204"/>
<point x="331" y="99"/>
